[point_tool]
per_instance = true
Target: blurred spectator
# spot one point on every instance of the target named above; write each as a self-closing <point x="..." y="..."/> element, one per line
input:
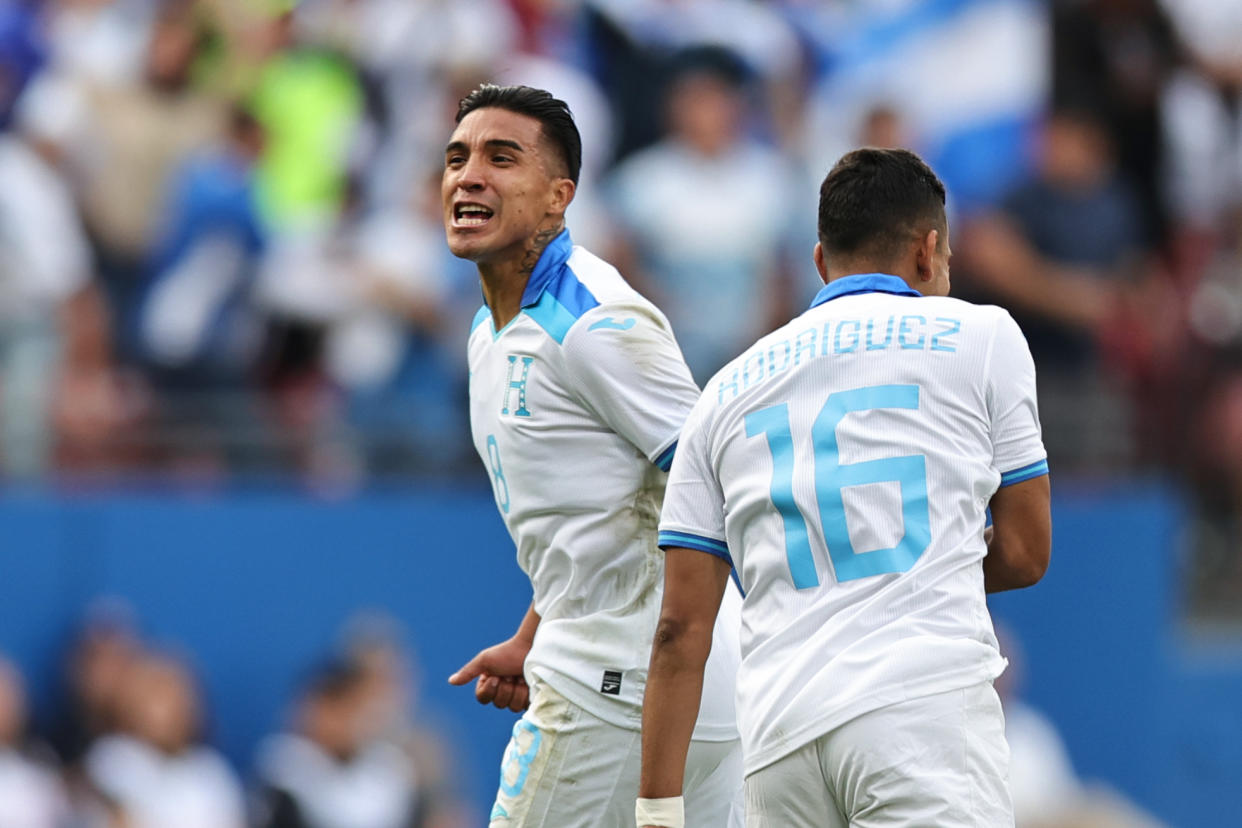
<point x="55" y="372"/>
<point x="31" y="795"/>
<point x="412" y="57"/>
<point x="331" y="772"/>
<point x="395" y="713"/>
<point x="310" y="104"/>
<point x="632" y="41"/>
<point x="120" y="142"/>
<point x="1070" y="290"/>
<point x="393" y="347"/>
<point x="21" y="53"/>
<point x="104" y="651"/>
<point x="1203" y="114"/>
<point x="967" y="78"/>
<point x="157" y="773"/>
<point x="1115" y="58"/>
<point x="195" y="330"/>
<point x="703" y="215"/>
<point x="198" y="327"/>
<point x="99" y="39"/>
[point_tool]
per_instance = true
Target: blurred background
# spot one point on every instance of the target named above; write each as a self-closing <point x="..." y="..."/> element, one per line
<point x="244" y="536"/>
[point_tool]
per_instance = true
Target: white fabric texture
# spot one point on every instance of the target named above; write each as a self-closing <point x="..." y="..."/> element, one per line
<point x="882" y="424"/>
<point x="570" y="410"/>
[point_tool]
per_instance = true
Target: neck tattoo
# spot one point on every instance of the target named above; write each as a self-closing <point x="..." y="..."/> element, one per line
<point x="540" y="241"/>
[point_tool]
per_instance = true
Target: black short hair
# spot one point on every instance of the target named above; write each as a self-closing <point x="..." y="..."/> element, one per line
<point x="552" y="113"/>
<point x="874" y="201"/>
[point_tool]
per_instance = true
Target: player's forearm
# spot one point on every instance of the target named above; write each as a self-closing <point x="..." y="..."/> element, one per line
<point x="671" y="705"/>
<point x="530" y="623"/>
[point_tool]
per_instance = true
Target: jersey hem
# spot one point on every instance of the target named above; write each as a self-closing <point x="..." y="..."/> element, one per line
<point x="758" y="759"/>
<point x="620" y="712"/>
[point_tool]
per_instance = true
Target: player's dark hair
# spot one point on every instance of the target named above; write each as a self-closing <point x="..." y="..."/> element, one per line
<point x="552" y="113"/>
<point x="875" y="201"/>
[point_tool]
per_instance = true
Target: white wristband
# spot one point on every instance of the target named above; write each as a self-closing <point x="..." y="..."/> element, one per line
<point x="669" y="812"/>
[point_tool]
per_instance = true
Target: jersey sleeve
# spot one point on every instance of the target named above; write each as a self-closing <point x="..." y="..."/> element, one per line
<point x="626" y="366"/>
<point x="693" y="515"/>
<point x="1017" y="446"/>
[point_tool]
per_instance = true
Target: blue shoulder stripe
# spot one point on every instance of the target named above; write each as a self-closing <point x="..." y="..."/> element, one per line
<point x="1040" y="467"/>
<point x="665" y="460"/>
<point x="484" y="313"/>
<point x="687" y="541"/>
<point x="571" y="293"/>
<point x="563" y="301"/>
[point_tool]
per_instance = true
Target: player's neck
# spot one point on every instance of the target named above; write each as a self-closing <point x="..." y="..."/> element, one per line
<point x="889" y="269"/>
<point x="504" y="280"/>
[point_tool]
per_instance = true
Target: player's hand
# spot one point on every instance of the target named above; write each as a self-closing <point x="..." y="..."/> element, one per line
<point x="506" y="693"/>
<point x="498" y="671"/>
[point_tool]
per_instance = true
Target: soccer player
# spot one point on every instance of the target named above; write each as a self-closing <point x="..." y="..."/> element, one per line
<point x="844" y="465"/>
<point x="577" y="394"/>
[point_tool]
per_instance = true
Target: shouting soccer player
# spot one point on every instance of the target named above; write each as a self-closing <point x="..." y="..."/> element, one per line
<point x="577" y="394"/>
<point x="843" y="464"/>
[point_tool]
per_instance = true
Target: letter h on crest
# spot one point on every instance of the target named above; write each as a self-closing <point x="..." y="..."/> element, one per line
<point x="519" y="385"/>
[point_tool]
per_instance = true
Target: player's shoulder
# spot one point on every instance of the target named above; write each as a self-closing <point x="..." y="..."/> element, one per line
<point x="613" y="304"/>
<point x="600" y="278"/>
<point x="987" y="317"/>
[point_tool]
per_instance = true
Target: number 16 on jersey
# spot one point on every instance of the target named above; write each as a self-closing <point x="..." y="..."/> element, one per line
<point x="831" y="476"/>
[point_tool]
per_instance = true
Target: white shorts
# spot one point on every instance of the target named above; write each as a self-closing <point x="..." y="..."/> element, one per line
<point x="940" y="760"/>
<point x="565" y="768"/>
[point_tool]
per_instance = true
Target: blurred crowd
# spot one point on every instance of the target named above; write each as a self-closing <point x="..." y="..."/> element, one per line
<point x="220" y="233"/>
<point x="126" y="745"/>
<point x="221" y="257"/>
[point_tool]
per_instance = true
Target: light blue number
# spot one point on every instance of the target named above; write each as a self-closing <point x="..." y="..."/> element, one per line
<point x="832" y="476"/>
<point x="498" y="474"/>
<point x="523" y="758"/>
<point x="774" y="422"/>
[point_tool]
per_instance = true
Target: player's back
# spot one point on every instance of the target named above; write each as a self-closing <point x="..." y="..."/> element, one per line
<point x="856" y="450"/>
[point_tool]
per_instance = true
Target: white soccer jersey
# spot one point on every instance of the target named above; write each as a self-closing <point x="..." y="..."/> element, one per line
<point x="575" y="408"/>
<point x="844" y="464"/>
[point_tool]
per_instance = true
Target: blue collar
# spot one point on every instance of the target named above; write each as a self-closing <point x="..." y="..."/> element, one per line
<point x="549" y="265"/>
<point x="863" y="283"/>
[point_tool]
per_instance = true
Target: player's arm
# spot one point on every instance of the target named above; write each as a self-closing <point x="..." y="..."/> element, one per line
<point x="1020" y="541"/>
<point x="499" y="668"/>
<point x="1020" y="537"/>
<point x="694" y="583"/>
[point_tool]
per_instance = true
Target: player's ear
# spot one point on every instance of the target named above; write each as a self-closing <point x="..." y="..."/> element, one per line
<point x="562" y="193"/>
<point x="923" y="255"/>
<point x="822" y="266"/>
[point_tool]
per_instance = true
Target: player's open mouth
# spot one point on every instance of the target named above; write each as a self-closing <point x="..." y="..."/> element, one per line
<point x="471" y="215"/>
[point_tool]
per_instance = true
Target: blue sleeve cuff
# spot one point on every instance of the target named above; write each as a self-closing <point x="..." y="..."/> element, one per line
<point x="665" y="460"/>
<point x="687" y="541"/>
<point x="1027" y="472"/>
